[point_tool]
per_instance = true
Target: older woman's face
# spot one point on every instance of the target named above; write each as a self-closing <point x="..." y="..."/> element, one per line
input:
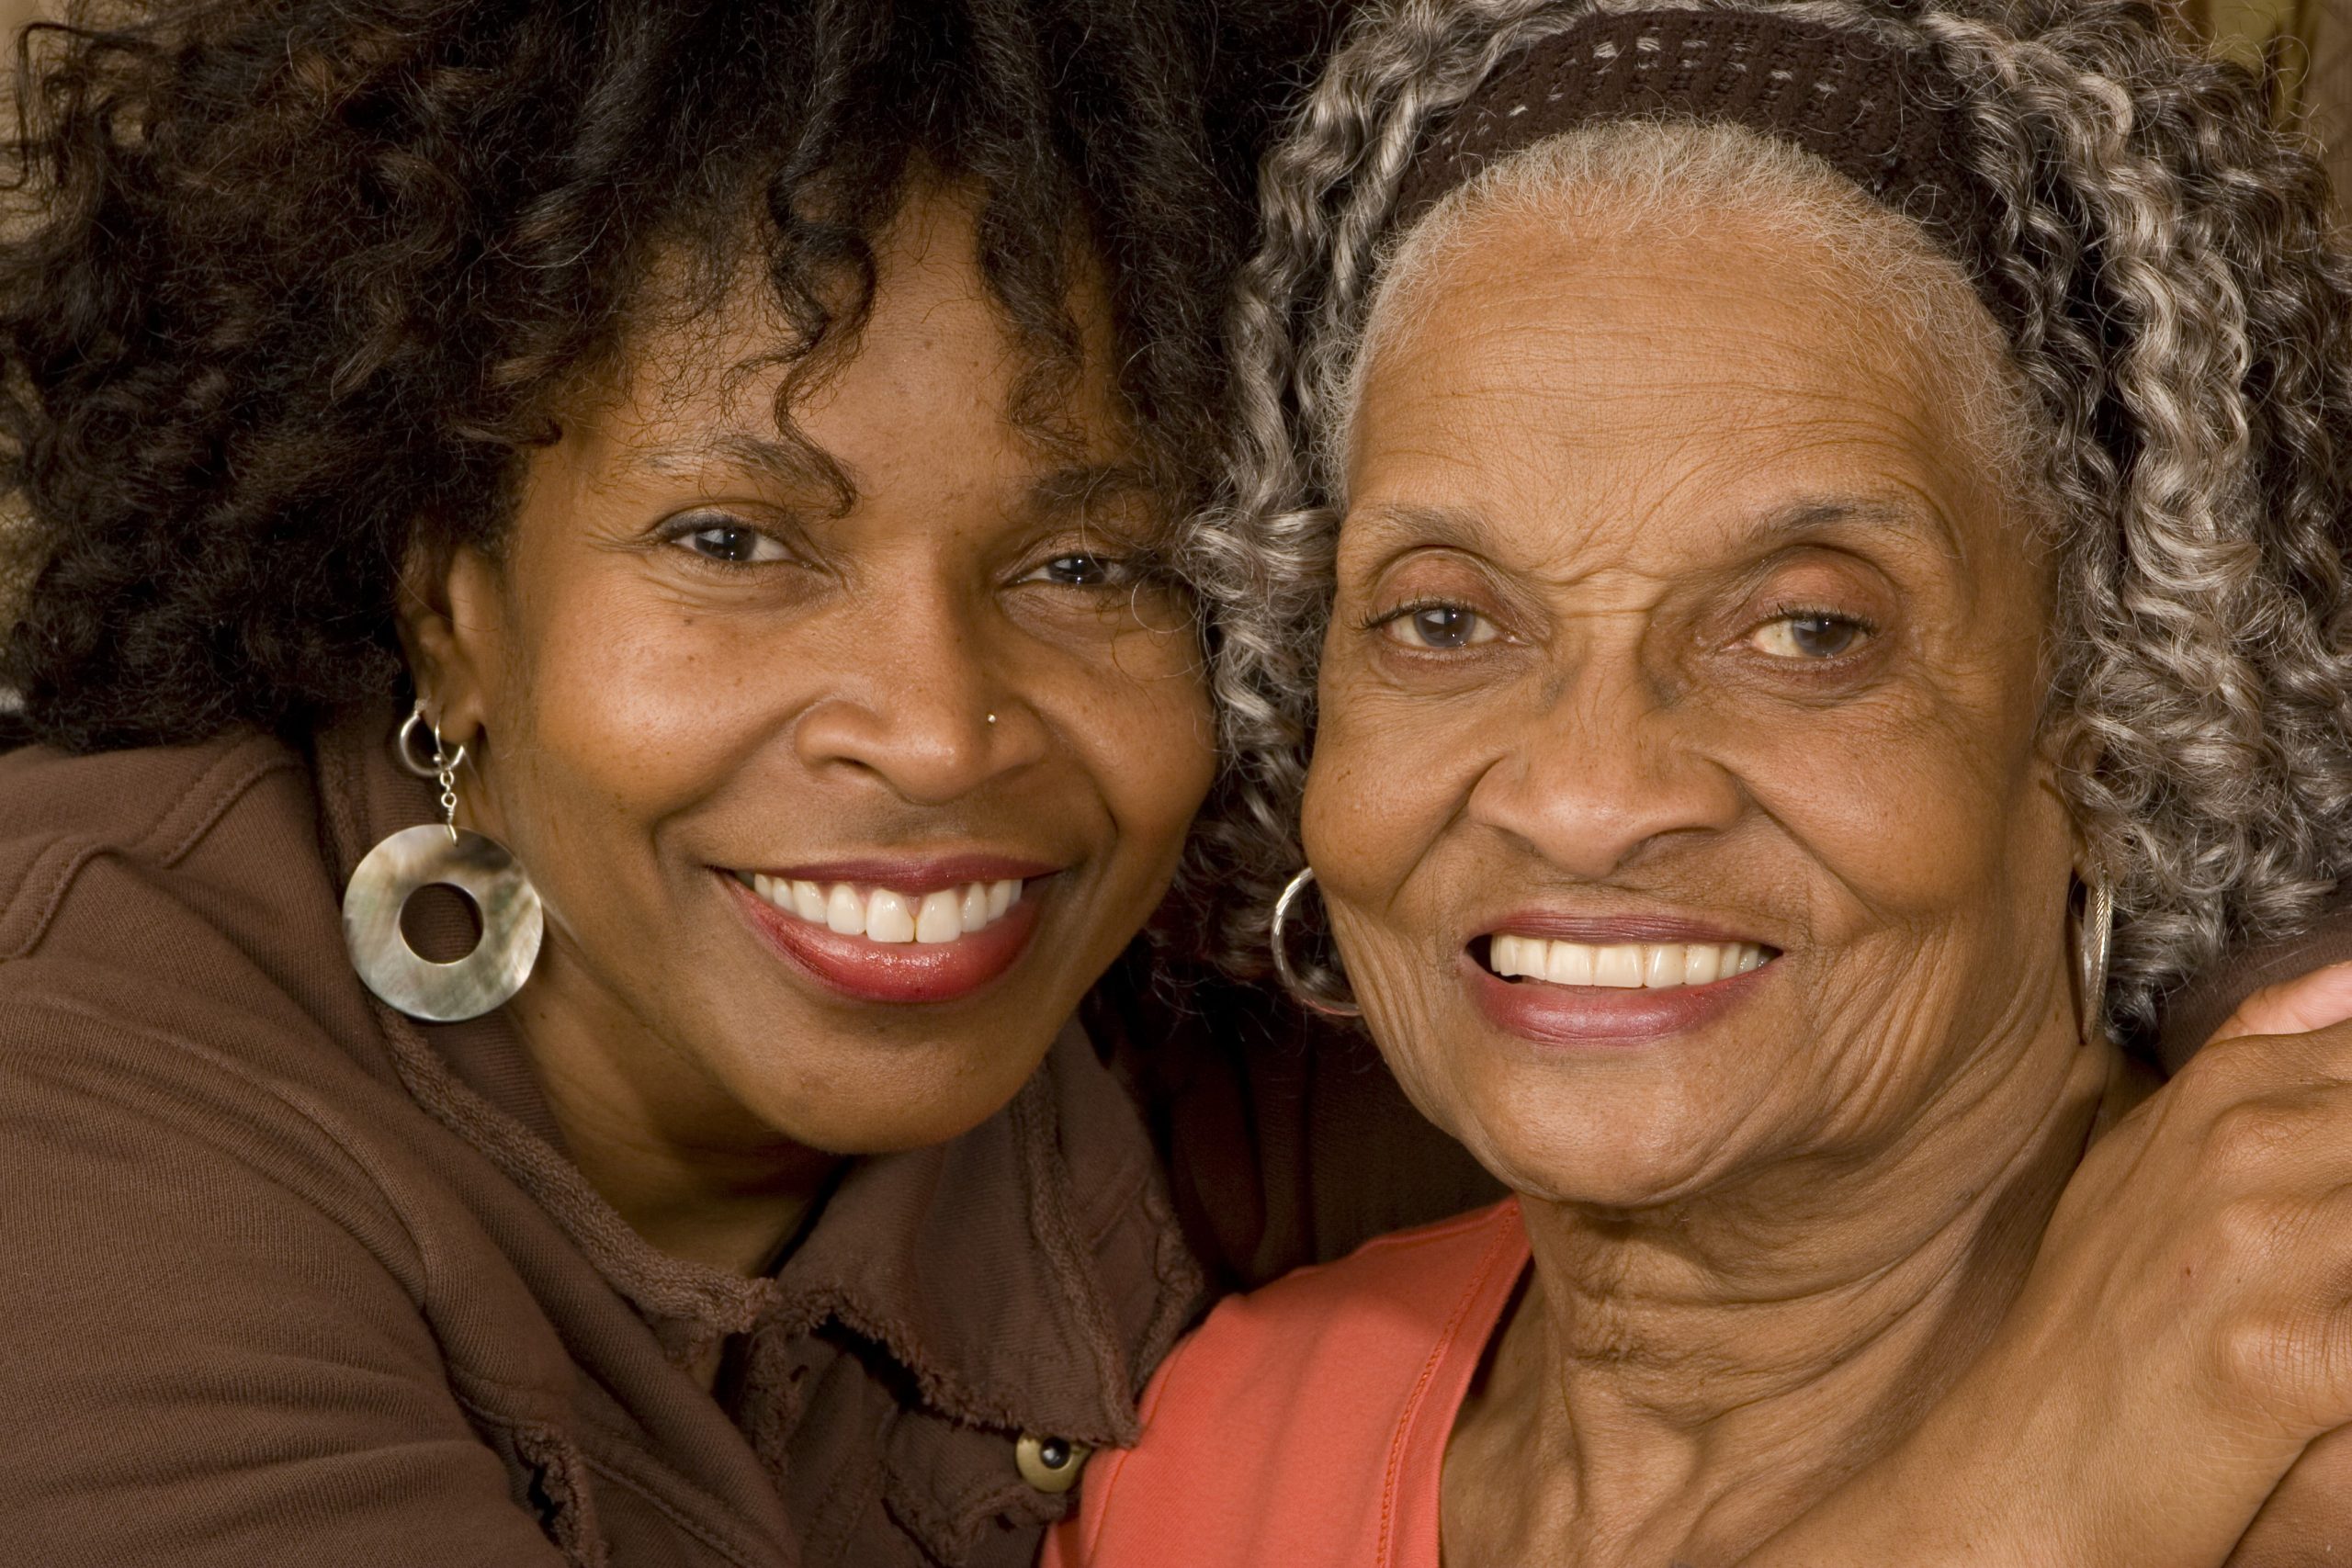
<point x="839" y="802"/>
<point x="1677" y="621"/>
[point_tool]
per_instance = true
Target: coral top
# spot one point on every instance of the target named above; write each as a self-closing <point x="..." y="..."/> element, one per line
<point x="1306" y="1424"/>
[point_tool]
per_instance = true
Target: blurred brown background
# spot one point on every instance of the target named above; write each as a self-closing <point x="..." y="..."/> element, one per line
<point x="2305" y="46"/>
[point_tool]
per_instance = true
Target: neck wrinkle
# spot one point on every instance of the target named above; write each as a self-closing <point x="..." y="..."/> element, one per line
<point x="1714" y="1368"/>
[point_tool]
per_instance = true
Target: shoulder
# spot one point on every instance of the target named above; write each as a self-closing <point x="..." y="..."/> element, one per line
<point x="1396" y="1291"/>
<point x="149" y="807"/>
<point x="172" y="990"/>
<point x="1347" y="1339"/>
<point x="1276" y="1428"/>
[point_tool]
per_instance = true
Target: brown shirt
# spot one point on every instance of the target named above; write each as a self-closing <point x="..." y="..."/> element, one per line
<point x="290" y="1280"/>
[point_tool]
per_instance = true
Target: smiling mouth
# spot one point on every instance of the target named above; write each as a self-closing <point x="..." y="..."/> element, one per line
<point x="889" y="915"/>
<point x="1628" y="966"/>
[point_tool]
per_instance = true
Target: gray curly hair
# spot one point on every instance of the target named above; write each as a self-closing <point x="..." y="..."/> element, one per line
<point x="2184" y="344"/>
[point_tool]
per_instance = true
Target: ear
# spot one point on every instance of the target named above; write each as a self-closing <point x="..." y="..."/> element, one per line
<point x="452" y="624"/>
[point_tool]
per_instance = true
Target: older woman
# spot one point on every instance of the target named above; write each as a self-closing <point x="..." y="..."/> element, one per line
<point x="1824" y="525"/>
<point x="695" y="477"/>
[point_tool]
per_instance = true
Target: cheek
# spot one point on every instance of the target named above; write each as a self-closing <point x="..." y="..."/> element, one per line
<point x="1385" y="777"/>
<point x="1929" y="817"/>
<point x="1137" y="716"/>
<point x="640" y="701"/>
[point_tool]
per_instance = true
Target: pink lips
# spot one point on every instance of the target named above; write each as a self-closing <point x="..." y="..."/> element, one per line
<point x="903" y="972"/>
<point x="1597" y="1016"/>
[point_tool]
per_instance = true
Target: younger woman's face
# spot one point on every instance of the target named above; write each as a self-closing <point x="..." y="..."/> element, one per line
<point x="838" y="803"/>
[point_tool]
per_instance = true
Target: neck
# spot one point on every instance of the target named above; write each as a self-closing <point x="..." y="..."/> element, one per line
<point x="1677" y="1383"/>
<point x="685" y="1166"/>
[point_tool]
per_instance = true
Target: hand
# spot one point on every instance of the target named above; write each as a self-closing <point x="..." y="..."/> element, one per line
<point x="2308" y="1517"/>
<point x="2185" y="1334"/>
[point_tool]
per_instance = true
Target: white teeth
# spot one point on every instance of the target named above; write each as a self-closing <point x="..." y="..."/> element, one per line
<point x="1570" y="963"/>
<point x="1622" y="966"/>
<point x="1619" y="966"/>
<point x="1506" y="955"/>
<point x="941" y="919"/>
<point x="888" y="918"/>
<point x="884" y="914"/>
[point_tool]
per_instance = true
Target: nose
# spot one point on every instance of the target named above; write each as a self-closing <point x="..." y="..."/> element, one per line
<point x="1602" y="774"/>
<point x="932" y="708"/>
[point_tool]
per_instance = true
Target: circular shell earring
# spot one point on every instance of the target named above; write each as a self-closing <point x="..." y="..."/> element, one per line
<point x="414" y="858"/>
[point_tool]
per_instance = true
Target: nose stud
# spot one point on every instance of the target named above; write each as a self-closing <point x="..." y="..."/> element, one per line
<point x="991" y="718"/>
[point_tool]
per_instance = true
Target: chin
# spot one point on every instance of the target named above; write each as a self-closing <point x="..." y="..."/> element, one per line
<point x="859" y="1103"/>
<point x="1575" y="1145"/>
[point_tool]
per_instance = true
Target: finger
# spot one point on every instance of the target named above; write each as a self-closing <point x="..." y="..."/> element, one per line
<point x="2307" y="1003"/>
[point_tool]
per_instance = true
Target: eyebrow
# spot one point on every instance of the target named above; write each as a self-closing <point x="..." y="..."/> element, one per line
<point x="1790" y="520"/>
<point x="1073" y="488"/>
<point x="795" y="465"/>
<point x="1064" y="491"/>
<point x="1796" y="518"/>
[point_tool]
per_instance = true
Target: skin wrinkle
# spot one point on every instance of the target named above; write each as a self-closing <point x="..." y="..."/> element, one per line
<point x="1714" y="1338"/>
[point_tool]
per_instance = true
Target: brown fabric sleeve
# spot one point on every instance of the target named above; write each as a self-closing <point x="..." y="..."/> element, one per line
<point x="216" y="1357"/>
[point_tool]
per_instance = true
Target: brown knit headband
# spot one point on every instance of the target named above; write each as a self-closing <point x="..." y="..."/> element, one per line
<point x="1889" y="119"/>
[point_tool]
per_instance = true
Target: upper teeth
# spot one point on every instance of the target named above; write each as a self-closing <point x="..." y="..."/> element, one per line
<point x="887" y="915"/>
<point x="1627" y="966"/>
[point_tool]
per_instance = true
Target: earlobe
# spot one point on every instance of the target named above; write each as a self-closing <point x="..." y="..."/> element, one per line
<point x="447" y="616"/>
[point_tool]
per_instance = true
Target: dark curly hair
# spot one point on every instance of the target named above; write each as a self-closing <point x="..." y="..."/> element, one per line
<point x="288" y="281"/>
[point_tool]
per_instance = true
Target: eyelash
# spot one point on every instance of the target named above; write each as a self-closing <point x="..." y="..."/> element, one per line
<point x="1864" y="627"/>
<point x="1134" y="569"/>
<point x="678" y="533"/>
<point x="1373" y="620"/>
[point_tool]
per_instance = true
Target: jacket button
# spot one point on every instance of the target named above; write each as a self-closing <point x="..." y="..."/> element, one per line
<point x="1050" y="1465"/>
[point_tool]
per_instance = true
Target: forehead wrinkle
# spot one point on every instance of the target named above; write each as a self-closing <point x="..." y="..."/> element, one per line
<point x="787" y="464"/>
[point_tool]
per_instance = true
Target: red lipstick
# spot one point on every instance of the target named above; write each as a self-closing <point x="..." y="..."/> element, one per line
<point x="897" y="972"/>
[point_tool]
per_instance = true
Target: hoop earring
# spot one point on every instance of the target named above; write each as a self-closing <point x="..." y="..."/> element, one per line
<point x="480" y="868"/>
<point x="2093" y="938"/>
<point x="1291" y="982"/>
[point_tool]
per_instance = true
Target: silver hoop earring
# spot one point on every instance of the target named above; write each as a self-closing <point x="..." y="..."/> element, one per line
<point x="447" y="856"/>
<point x="1305" y="997"/>
<point x="2093" y="938"/>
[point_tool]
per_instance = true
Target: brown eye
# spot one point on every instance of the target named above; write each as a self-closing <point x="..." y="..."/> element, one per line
<point x="1807" y="635"/>
<point x="1439" y="627"/>
<point x="1086" y="570"/>
<point x="726" y="541"/>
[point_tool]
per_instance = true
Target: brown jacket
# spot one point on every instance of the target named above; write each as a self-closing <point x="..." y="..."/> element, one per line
<point x="291" y="1280"/>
